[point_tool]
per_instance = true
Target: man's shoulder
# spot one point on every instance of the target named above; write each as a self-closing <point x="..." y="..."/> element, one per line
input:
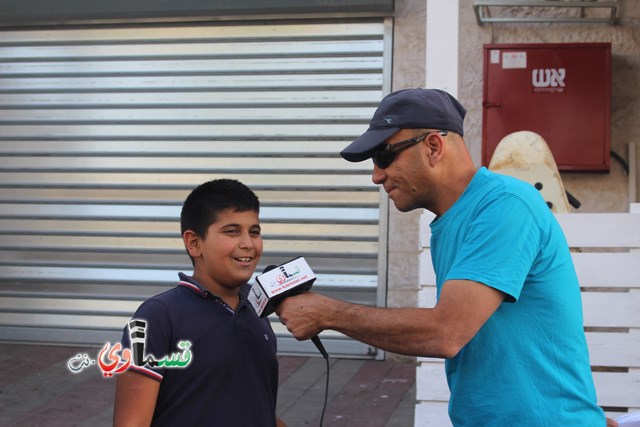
<point x="499" y="185"/>
<point x="505" y="181"/>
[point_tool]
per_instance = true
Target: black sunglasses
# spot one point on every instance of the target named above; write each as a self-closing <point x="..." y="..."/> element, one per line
<point x="384" y="157"/>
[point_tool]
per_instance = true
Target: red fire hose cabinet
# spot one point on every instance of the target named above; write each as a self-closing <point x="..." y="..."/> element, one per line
<point x="560" y="91"/>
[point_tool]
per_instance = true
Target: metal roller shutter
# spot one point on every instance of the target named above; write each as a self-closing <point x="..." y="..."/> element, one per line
<point x="105" y="130"/>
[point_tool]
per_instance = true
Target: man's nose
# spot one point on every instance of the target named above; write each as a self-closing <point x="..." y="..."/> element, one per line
<point x="378" y="175"/>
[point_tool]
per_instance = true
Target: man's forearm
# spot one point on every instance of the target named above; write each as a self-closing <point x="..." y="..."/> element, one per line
<point x="410" y="331"/>
<point x="463" y="307"/>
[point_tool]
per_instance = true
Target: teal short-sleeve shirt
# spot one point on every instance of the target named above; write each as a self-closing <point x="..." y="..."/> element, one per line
<point x="529" y="364"/>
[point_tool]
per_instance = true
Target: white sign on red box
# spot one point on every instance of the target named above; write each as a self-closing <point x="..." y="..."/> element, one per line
<point x="514" y="60"/>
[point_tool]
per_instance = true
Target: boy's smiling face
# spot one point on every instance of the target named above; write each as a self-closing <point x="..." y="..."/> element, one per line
<point x="227" y="256"/>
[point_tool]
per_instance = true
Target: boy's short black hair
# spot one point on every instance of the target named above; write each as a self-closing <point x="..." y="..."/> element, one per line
<point x="202" y="206"/>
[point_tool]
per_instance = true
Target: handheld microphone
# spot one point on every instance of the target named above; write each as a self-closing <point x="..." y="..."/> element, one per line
<point x="279" y="282"/>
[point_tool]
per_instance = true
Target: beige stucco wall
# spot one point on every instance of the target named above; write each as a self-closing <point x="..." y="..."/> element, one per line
<point x="607" y="192"/>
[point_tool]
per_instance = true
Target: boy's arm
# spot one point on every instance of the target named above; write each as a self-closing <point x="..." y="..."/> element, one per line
<point x="280" y="423"/>
<point x="135" y="401"/>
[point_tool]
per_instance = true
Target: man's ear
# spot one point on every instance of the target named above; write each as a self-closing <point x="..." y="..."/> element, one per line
<point x="192" y="243"/>
<point x="435" y="146"/>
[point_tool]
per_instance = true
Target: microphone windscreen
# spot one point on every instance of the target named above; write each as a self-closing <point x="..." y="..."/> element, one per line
<point x="269" y="268"/>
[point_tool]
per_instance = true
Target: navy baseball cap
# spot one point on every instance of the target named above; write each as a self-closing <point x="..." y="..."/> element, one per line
<point x="407" y="109"/>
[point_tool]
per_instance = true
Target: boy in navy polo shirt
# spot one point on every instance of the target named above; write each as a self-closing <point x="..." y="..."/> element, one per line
<point x="231" y="378"/>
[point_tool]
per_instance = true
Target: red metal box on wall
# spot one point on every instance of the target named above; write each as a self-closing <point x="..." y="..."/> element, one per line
<point x="560" y="91"/>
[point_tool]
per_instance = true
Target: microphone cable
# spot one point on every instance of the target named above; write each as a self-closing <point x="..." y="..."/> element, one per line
<point x="326" y="387"/>
<point x="316" y="341"/>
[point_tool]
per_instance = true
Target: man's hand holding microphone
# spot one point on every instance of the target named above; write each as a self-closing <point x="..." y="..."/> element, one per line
<point x="279" y="284"/>
<point x="301" y="314"/>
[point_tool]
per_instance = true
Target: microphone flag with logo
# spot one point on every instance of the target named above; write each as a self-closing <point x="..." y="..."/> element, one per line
<point x="278" y="282"/>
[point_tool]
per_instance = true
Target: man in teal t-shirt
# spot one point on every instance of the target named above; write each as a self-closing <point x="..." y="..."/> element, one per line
<point x="529" y="362"/>
<point x="508" y="319"/>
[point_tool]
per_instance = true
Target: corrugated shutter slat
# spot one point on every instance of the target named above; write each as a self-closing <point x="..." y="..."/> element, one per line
<point x="104" y="131"/>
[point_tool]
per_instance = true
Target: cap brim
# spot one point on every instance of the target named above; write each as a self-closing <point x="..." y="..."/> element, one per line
<point x="363" y="147"/>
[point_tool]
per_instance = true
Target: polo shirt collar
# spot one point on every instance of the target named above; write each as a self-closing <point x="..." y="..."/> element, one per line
<point x="191" y="284"/>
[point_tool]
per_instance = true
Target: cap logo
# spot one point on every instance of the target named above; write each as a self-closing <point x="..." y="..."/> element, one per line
<point x="388" y="120"/>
